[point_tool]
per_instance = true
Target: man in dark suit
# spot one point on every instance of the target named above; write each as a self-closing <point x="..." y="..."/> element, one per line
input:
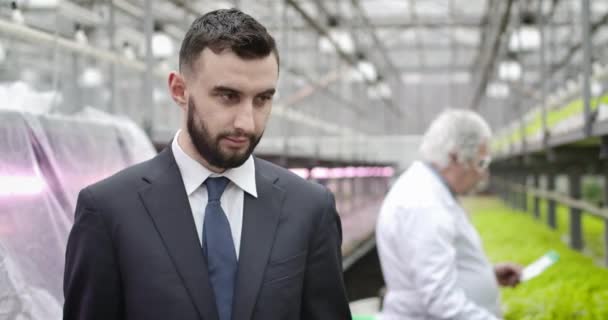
<point x="205" y="230"/>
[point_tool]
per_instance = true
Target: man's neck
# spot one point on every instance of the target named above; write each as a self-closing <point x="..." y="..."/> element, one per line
<point x="448" y="178"/>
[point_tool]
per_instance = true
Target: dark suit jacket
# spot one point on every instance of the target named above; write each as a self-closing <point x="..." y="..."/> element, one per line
<point x="133" y="252"/>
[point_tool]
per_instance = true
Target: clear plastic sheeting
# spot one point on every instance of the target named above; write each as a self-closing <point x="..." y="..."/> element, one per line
<point x="33" y="228"/>
<point x="139" y="146"/>
<point x="18" y="299"/>
<point x="45" y="161"/>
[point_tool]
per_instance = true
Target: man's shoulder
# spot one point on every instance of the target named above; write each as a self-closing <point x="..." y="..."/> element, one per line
<point x="289" y="180"/>
<point x="125" y="180"/>
<point x="418" y="187"/>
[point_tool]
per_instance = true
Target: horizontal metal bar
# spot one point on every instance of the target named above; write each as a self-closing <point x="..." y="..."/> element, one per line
<point x="351" y="258"/>
<point x="582" y="205"/>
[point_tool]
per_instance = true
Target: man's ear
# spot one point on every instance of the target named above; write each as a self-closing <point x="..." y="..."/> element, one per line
<point x="177" y="88"/>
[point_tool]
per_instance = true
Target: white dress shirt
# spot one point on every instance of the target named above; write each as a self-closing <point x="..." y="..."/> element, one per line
<point x="242" y="179"/>
<point x="431" y="256"/>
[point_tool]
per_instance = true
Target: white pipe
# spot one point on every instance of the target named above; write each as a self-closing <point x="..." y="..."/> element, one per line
<point x="44" y="38"/>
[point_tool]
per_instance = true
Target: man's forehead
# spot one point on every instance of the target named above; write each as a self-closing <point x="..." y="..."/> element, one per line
<point x="231" y="72"/>
<point x="228" y="59"/>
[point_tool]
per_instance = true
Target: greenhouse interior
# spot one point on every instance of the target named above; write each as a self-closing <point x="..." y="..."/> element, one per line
<point x="449" y="139"/>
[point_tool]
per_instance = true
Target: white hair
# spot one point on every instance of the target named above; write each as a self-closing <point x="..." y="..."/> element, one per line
<point x="459" y="132"/>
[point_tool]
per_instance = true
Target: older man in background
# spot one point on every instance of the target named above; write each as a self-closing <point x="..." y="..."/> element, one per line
<point x="431" y="255"/>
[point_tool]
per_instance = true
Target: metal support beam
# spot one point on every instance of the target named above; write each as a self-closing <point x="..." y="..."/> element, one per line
<point x="323" y="83"/>
<point x="565" y="61"/>
<point x="503" y="191"/>
<point x="148" y="92"/>
<point x="320" y="28"/>
<point x="576" y="235"/>
<point x="421" y="117"/>
<point x="524" y="195"/>
<point x="75" y="87"/>
<point x="543" y="70"/>
<point x="585" y="17"/>
<point x="512" y="179"/>
<point x="520" y="94"/>
<point x="286" y="43"/>
<point x="513" y="194"/>
<point x="606" y="242"/>
<point x="187" y="6"/>
<point x="345" y="56"/>
<point x="603" y="154"/>
<point x="487" y="56"/>
<point x="111" y="36"/>
<point x="378" y="43"/>
<point x="551" y="217"/>
<point x="396" y="23"/>
<point x="435" y="69"/>
<point x="536" y="198"/>
<point x="606" y="220"/>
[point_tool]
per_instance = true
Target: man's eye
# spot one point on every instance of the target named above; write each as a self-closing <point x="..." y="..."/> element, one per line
<point x="262" y="100"/>
<point x="230" y="96"/>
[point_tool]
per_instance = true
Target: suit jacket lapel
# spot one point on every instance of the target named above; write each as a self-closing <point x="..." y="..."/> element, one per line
<point x="167" y="203"/>
<point x="260" y="220"/>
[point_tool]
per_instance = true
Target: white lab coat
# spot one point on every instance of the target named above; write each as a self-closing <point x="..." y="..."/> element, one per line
<point x="431" y="256"/>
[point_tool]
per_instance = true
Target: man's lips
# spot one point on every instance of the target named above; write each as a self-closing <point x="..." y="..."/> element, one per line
<point x="236" y="141"/>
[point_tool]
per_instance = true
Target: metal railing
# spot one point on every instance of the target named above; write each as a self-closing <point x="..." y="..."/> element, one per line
<point x="517" y="195"/>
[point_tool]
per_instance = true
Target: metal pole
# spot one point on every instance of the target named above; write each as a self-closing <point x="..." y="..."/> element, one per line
<point x="520" y="99"/>
<point x="551" y="220"/>
<point x="536" y="198"/>
<point x="576" y="238"/>
<point x="111" y="36"/>
<point x="285" y="59"/>
<point x="606" y="221"/>
<point x="312" y="21"/>
<point x="497" y="181"/>
<point x="76" y="89"/>
<point x="148" y="101"/>
<point x="500" y="184"/>
<point x="511" y="200"/>
<point x="524" y="193"/>
<point x="318" y="106"/>
<point x="586" y="25"/>
<point x="543" y="72"/>
<point x="606" y="242"/>
<point x="515" y="193"/>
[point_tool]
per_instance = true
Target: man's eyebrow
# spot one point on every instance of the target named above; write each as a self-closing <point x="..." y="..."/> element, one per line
<point x="269" y="92"/>
<point x="224" y="89"/>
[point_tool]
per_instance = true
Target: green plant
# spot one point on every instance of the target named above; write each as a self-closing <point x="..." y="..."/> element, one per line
<point x="574" y="288"/>
<point x="593" y="191"/>
<point x="555" y="116"/>
<point x="593" y="229"/>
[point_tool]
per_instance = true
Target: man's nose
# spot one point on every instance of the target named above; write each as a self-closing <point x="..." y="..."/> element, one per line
<point x="244" y="119"/>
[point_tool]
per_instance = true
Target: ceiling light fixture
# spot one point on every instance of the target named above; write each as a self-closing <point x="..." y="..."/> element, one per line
<point x="339" y="36"/>
<point x="527" y="36"/>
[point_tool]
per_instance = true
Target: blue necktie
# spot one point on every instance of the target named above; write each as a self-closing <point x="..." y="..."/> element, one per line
<point x="219" y="248"/>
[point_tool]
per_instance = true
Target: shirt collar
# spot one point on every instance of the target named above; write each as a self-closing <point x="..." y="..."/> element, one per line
<point x="440" y="178"/>
<point x="194" y="174"/>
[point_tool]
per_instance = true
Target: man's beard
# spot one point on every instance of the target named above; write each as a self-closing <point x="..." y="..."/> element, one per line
<point x="209" y="147"/>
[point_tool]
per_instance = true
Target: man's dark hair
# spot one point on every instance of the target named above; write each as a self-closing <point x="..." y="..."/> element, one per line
<point x="224" y="29"/>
